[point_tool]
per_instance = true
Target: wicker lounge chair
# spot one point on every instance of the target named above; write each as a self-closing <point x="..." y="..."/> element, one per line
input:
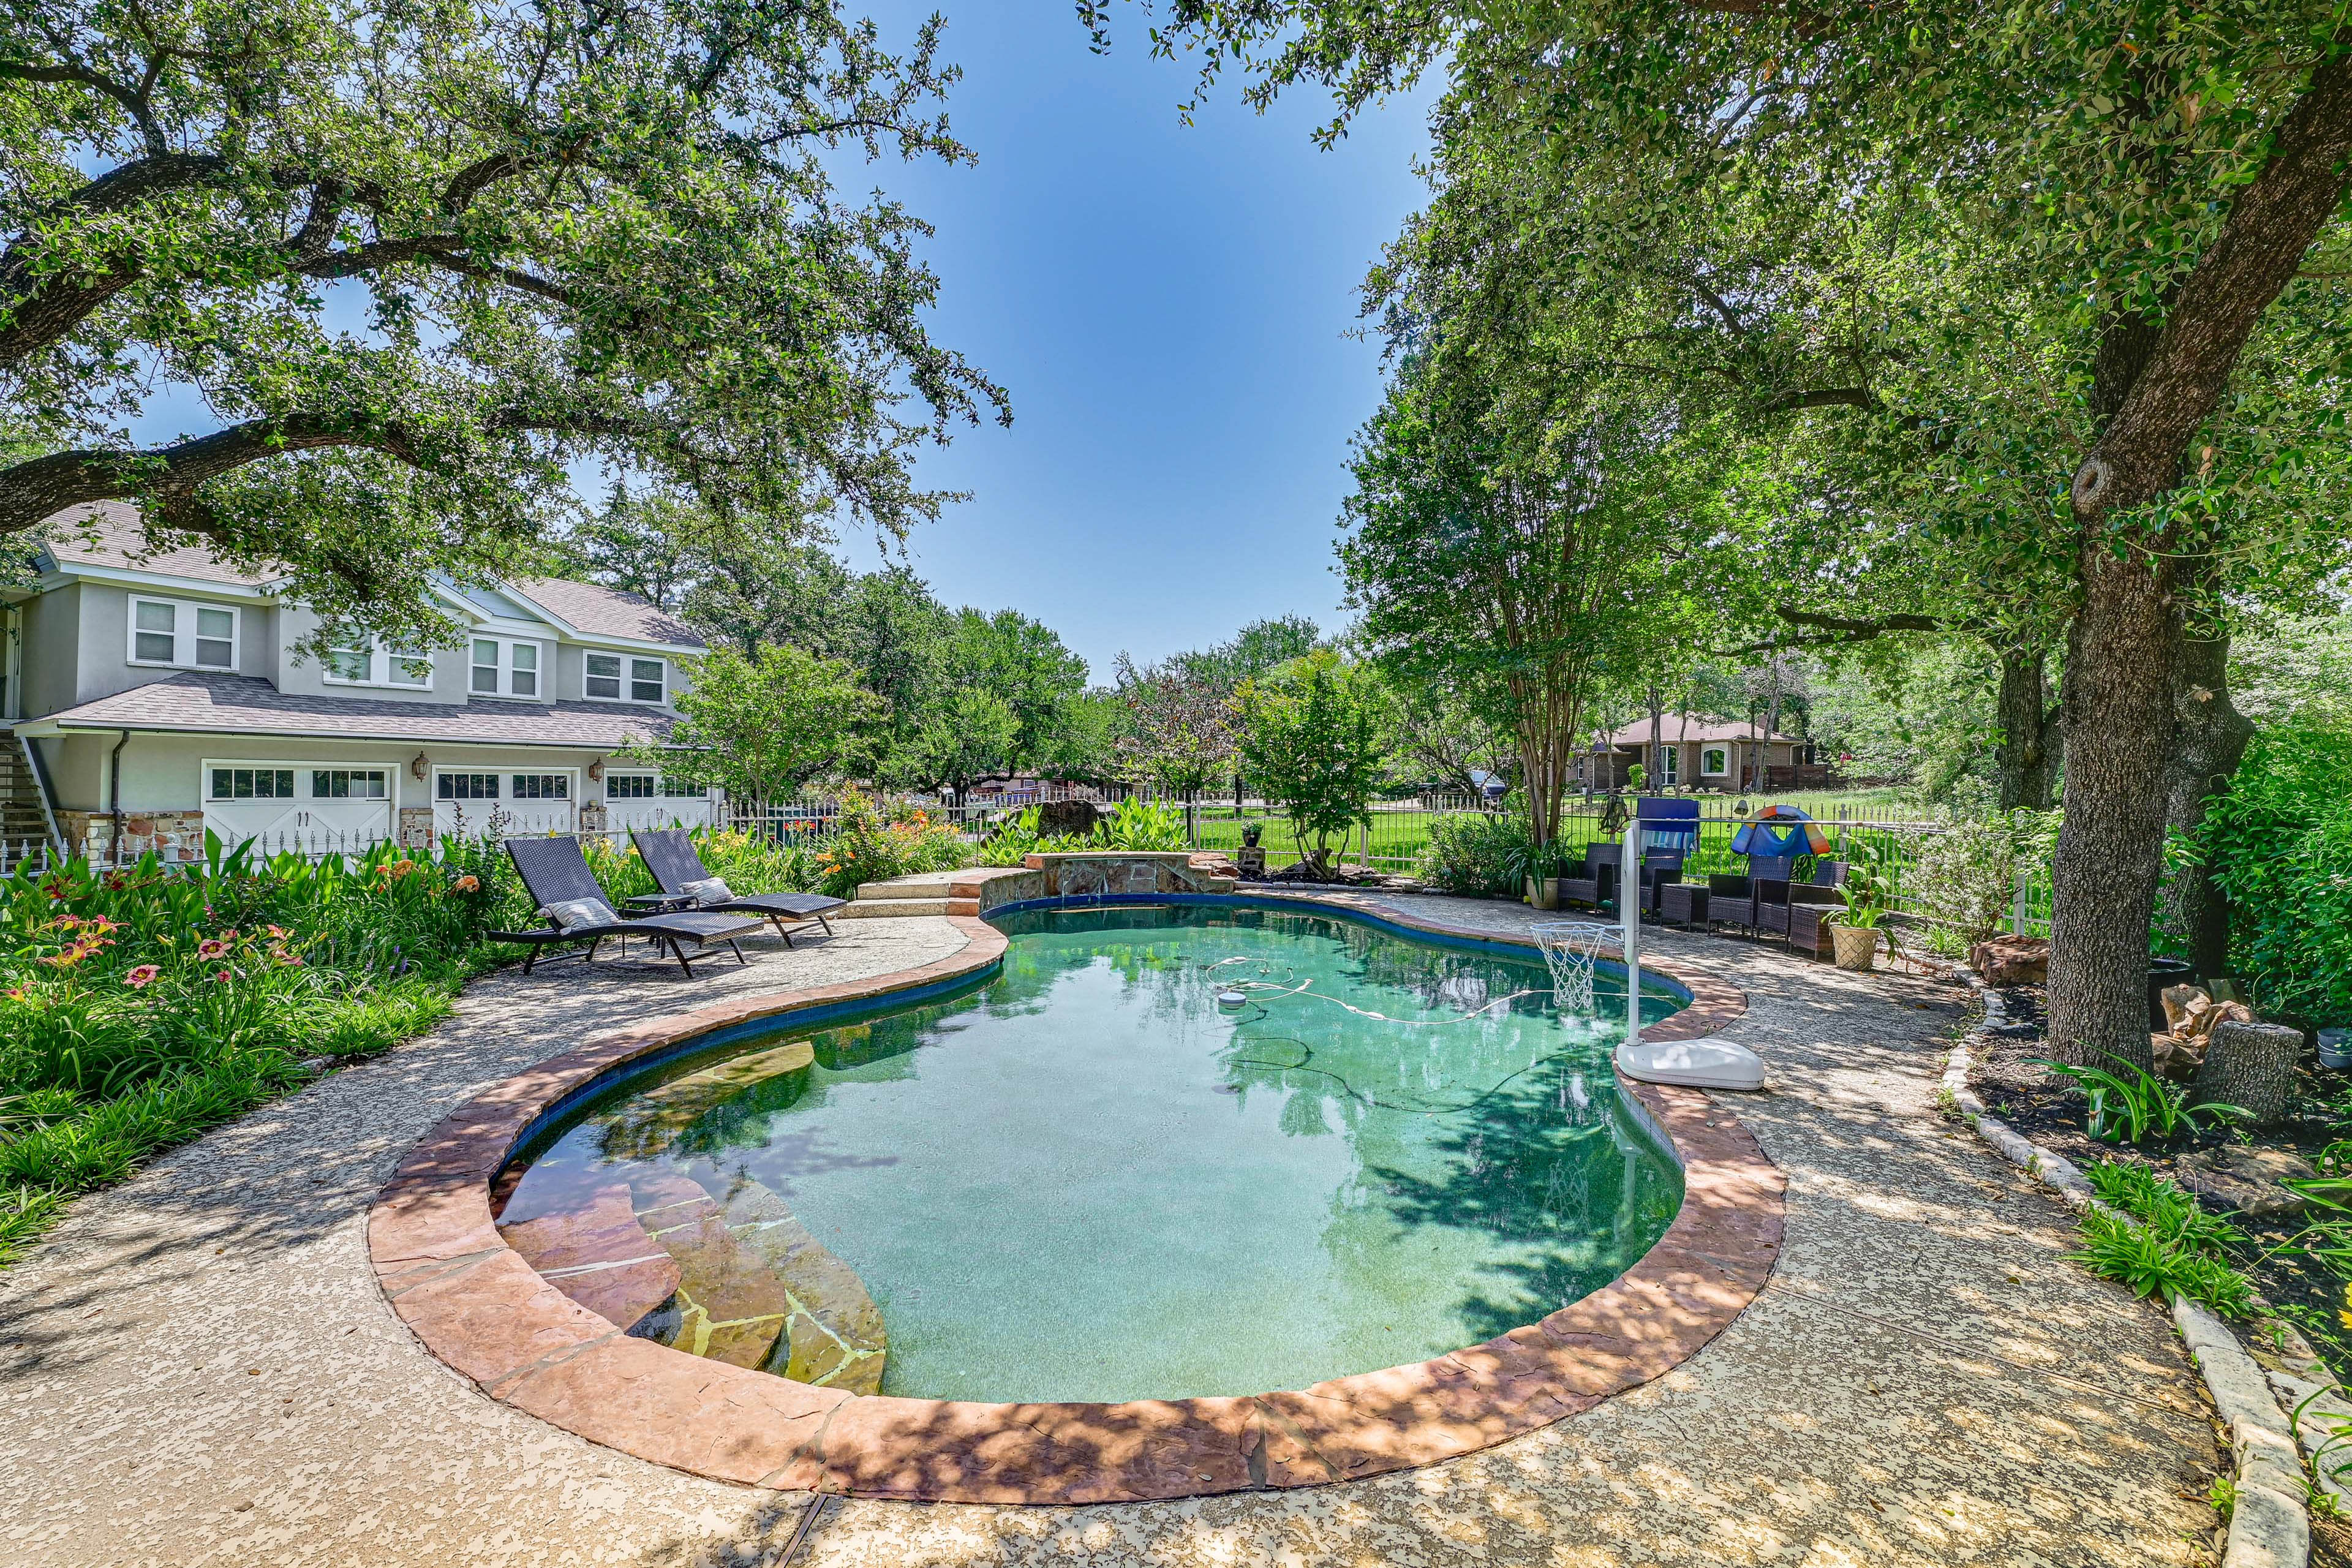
<point x="669" y="854"/>
<point x="556" y="873"/>
<point x="1661" y="869"/>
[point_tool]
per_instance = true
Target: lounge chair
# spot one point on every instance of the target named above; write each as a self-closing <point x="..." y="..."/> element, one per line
<point x="556" y="875"/>
<point x="671" y="856"/>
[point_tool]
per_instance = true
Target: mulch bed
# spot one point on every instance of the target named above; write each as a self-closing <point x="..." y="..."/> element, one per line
<point x="2050" y="1111"/>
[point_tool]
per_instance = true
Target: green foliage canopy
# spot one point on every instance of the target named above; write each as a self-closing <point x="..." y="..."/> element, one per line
<point x="1311" y="735"/>
<point x="417" y="256"/>
<point x="762" y="725"/>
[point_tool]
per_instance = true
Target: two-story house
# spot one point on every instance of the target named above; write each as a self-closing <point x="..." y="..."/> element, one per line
<point x="153" y="697"/>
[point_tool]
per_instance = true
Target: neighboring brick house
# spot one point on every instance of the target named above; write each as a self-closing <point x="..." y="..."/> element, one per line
<point x="1712" y="753"/>
<point x="163" y="693"/>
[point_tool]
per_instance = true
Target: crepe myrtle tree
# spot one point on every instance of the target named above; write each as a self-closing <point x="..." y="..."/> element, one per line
<point x="1312" y="736"/>
<point x="2167" y="171"/>
<point x="764" y="725"/>
<point x="412" y="258"/>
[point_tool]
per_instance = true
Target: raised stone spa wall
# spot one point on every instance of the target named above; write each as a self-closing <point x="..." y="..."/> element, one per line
<point x="479" y="1307"/>
<point x="1081" y="875"/>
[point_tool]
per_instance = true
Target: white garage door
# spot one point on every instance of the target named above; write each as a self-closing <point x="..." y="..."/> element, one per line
<point x="297" y="806"/>
<point x="635" y="800"/>
<point x="512" y="802"/>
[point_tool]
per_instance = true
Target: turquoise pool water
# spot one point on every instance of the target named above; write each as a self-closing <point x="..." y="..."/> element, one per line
<point x="1089" y="1179"/>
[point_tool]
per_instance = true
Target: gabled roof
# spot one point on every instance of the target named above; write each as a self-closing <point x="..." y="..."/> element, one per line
<point x="595" y="610"/>
<point x="108" y="534"/>
<point x="1675" y="729"/>
<point x="204" y="703"/>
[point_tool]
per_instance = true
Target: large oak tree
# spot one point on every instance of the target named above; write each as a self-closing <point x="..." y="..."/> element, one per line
<point x="397" y="263"/>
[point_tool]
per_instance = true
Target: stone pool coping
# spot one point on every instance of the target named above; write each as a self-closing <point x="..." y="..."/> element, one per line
<point x="477" y="1307"/>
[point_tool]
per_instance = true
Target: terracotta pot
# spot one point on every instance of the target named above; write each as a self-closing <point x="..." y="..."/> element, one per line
<point x="1857" y="948"/>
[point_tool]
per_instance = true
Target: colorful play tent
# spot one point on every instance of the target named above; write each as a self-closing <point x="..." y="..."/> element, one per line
<point x="1778" y="832"/>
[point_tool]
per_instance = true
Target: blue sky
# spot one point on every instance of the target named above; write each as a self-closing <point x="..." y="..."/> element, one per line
<point x="1168" y="306"/>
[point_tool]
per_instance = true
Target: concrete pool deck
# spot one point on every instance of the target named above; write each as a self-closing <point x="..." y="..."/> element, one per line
<point x="199" y="1367"/>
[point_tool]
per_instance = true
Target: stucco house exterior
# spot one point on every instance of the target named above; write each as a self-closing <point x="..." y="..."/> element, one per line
<point x="150" y="697"/>
<point x="1707" y="754"/>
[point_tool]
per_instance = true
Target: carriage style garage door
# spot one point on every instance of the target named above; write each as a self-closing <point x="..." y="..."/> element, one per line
<point x="522" y="801"/>
<point x="297" y="805"/>
<point x="634" y="800"/>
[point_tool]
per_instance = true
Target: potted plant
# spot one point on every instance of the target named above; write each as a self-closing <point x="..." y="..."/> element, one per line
<point x="1868" y="890"/>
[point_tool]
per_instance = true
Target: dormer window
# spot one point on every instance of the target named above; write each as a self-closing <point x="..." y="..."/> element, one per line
<point x="187" y="635"/>
<point x="504" y="668"/>
<point x="361" y="662"/>
<point x="647" y="679"/>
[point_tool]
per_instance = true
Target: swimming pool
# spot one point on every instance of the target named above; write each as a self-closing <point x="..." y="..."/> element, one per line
<point x="1162" y="1153"/>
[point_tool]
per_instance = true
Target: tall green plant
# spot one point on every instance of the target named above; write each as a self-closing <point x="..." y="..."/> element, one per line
<point x="2280" y="847"/>
<point x="1312" y="738"/>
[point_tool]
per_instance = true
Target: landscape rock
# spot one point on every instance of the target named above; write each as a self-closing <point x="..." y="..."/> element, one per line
<point x="2177" y="1057"/>
<point x="2183" y="1002"/>
<point x="2011" y="961"/>
<point x="1074" y="818"/>
<point x="2246" y="1179"/>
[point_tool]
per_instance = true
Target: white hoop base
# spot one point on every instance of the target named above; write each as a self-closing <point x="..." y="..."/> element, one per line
<point x="1710" y="1063"/>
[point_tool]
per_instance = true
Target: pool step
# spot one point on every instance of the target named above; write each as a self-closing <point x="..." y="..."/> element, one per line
<point x="866" y="909"/>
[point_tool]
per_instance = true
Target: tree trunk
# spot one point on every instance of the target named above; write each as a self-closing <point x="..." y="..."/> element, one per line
<point x="2152" y="391"/>
<point x="2117" y="714"/>
<point x="2208" y="738"/>
<point x="2252" y="1067"/>
<point x="2029" y="745"/>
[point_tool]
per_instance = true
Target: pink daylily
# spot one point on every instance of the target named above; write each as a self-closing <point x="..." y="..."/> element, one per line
<point x="142" y="976"/>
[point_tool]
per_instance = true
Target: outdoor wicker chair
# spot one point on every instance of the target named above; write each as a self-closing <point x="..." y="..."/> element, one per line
<point x="1592" y="881"/>
<point x="1806" y="916"/>
<point x="555" y="873"/>
<point x="669" y="854"/>
<point x="1737" y="901"/>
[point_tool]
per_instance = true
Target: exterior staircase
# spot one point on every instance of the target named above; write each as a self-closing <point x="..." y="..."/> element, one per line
<point x="23" y="822"/>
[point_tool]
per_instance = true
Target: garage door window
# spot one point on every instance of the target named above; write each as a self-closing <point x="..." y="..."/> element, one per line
<point x="542" y="786"/>
<point x="348" y="784"/>
<point x="467" y="786"/>
<point x="253" y="783"/>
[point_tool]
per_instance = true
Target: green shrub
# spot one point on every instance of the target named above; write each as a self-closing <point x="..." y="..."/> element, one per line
<point x="2280" y="844"/>
<point x="1476" y="852"/>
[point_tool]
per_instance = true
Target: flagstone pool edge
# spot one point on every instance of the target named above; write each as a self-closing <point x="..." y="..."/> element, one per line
<point x="474" y="1305"/>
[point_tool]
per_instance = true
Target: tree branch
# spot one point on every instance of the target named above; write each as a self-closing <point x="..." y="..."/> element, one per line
<point x="1816" y="397"/>
<point x="133" y="100"/>
<point x="2271" y="227"/>
<point x="35" y="311"/>
<point x="41" y="487"/>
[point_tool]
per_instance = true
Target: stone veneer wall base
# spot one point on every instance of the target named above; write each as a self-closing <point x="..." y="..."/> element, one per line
<point x="2270" y="1525"/>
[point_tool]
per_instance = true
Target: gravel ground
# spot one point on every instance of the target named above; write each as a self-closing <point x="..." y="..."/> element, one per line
<point x="198" y="1368"/>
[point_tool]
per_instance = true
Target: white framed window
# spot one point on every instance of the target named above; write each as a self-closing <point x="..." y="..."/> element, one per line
<point x="465" y="786"/>
<point x="249" y="783"/>
<point x="1713" y="761"/>
<point x="621" y="678"/>
<point x="541" y="786"/>
<point x="185" y="636"/>
<point x="646" y="787"/>
<point x="350" y="783"/>
<point x="502" y="667"/>
<point x="1670" y="759"/>
<point x="363" y="662"/>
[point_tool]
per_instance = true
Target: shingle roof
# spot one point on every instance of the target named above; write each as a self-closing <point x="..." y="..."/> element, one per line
<point x="108" y="533"/>
<point x="600" y="611"/>
<point x="1637" y="733"/>
<point x="242" y="705"/>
